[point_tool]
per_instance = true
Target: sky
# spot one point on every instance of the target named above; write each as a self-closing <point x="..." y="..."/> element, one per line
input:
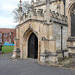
<point x="6" y="17"/>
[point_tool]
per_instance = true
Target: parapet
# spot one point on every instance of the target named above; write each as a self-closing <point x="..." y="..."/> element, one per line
<point x="41" y="15"/>
<point x="59" y="17"/>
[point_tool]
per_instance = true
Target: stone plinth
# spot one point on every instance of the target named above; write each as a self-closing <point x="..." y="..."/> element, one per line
<point x="16" y="51"/>
<point x="48" y="57"/>
<point x="14" y="54"/>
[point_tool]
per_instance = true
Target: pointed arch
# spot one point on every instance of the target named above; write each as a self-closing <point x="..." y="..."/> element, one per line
<point x="28" y="32"/>
<point x="69" y="10"/>
<point x="26" y="37"/>
<point x="70" y="6"/>
<point x="33" y="46"/>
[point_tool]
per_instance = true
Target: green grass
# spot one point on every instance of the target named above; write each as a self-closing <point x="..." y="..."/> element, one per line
<point x="7" y="49"/>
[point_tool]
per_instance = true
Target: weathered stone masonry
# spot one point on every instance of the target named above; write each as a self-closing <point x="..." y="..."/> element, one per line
<point x="45" y="19"/>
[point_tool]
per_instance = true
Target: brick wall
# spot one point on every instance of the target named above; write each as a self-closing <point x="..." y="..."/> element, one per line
<point x="7" y="35"/>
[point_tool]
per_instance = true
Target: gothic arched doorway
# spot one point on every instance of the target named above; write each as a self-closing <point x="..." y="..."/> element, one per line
<point x="73" y="22"/>
<point x="33" y="46"/>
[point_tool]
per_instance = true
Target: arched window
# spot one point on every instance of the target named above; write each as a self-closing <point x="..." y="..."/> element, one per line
<point x="73" y="22"/>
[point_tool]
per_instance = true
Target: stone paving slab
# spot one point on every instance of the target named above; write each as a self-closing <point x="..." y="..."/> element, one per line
<point x="28" y="67"/>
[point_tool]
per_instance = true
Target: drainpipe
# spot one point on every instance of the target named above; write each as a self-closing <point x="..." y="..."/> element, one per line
<point x="62" y="33"/>
<point x="64" y="7"/>
<point x="62" y="42"/>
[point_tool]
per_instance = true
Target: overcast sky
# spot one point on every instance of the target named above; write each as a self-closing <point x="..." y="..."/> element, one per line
<point x="6" y="8"/>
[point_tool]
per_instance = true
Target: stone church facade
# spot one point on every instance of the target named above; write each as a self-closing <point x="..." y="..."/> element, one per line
<point x="47" y="31"/>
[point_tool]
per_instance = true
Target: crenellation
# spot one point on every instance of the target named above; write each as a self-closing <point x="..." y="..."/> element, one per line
<point x="34" y="12"/>
<point x="56" y="16"/>
<point x="41" y="15"/>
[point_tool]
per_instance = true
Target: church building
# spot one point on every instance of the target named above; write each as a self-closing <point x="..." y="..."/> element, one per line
<point x="47" y="31"/>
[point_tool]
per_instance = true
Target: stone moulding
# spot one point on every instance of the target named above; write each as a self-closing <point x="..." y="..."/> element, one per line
<point x="45" y="39"/>
<point x="59" y="21"/>
<point x="46" y="54"/>
<point x="31" y="20"/>
<point x="59" y="51"/>
<point x="31" y="30"/>
<point x="71" y="39"/>
<point x="72" y="48"/>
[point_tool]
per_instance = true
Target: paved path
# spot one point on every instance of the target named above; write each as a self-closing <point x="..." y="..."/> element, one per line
<point x="28" y="67"/>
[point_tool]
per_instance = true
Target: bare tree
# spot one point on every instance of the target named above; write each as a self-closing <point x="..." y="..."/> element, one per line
<point x="25" y="7"/>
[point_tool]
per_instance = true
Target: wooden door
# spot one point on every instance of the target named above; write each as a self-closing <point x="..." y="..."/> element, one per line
<point x="33" y="46"/>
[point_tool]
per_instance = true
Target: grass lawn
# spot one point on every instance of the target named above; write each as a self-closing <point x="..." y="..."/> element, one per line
<point x="7" y="49"/>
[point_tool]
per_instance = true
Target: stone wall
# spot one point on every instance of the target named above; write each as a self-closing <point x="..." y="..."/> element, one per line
<point x="57" y="36"/>
<point x="45" y="22"/>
